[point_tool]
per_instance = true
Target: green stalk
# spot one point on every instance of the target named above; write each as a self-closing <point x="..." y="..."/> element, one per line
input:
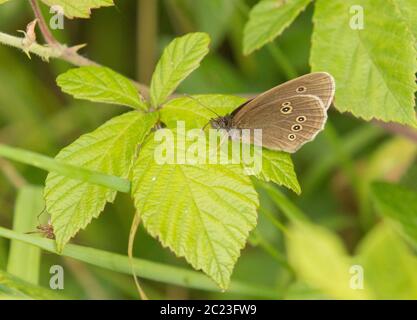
<point x="147" y="34"/>
<point x="275" y="222"/>
<point x="291" y="211"/>
<point x="70" y="171"/>
<point x="144" y="268"/>
<point x="274" y="253"/>
<point x="24" y="260"/>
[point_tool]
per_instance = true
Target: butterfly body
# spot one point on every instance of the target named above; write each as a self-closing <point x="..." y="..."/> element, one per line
<point x="224" y="122"/>
<point x="289" y="115"/>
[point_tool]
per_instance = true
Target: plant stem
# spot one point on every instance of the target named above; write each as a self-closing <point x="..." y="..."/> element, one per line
<point x="147" y="27"/>
<point x="47" y="35"/>
<point x="12" y="174"/>
<point x="291" y="211"/>
<point x="275" y="222"/>
<point x="144" y="268"/>
<point x="398" y="129"/>
<point x="59" y="51"/>
<point x="70" y="171"/>
<point x="44" y="52"/>
<point x="274" y="253"/>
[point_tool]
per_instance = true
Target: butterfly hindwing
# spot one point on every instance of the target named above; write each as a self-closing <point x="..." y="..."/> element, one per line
<point x="286" y="123"/>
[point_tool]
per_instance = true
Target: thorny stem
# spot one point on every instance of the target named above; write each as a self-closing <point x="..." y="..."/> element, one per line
<point x="56" y="50"/>
<point x="398" y="129"/>
<point x="47" y="35"/>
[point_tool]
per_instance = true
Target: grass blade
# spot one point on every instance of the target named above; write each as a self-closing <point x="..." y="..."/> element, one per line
<point x="12" y="287"/>
<point x="24" y="260"/>
<point x="144" y="268"/>
<point x="52" y="165"/>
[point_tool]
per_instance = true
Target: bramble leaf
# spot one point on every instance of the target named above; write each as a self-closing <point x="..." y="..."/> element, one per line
<point x="408" y="10"/>
<point x="268" y="19"/>
<point x="320" y="260"/>
<point x="78" y="8"/>
<point x="388" y="265"/>
<point x="109" y="149"/>
<point x="101" y="84"/>
<point x="203" y="212"/>
<point x="181" y="57"/>
<point x="213" y="17"/>
<point x="374" y="66"/>
<point x="197" y="110"/>
<point x="399" y="204"/>
<point x="276" y="166"/>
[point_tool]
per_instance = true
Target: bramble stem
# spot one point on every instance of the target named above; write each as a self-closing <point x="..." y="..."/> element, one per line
<point x="49" y="38"/>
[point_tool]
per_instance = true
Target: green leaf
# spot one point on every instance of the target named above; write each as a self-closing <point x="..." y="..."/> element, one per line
<point x="14" y="287"/>
<point x="278" y="167"/>
<point x="389" y="265"/>
<point x="320" y="260"/>
<point x="24" y="260"/>
<point x="78" y="8"/>
<point x="408" y="9"/>
<point x="100" y="84"/>
<point x="213" y="17"/>
<point x="109" y="149"/>
<point x="375" y="67"/>
<point x="182" y="56"/>
<point x="196" y="111"/>
<point x="399" y="204"/>
<point x="390" y="160"/>
<point x="268" y="19"/>
<point x="288" y="208"/>
<point x="203" y="212"/>
<point x="3" y="1"/>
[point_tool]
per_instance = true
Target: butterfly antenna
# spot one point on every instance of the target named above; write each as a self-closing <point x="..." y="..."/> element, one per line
<point x="201" y="104"/>
<point x="42" y="212"/>
<point x="33" y="232"/>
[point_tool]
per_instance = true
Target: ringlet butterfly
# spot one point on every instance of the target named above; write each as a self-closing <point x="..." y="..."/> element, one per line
<point x="289" y="115"/>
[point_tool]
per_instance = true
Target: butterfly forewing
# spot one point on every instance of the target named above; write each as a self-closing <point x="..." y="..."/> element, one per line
<point x="289" y="115"/>
<point x="319" y="84"/>
<point x="286" y="123"/>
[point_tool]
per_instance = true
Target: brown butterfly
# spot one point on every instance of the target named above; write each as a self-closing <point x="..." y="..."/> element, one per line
<point x="289" y="115"/>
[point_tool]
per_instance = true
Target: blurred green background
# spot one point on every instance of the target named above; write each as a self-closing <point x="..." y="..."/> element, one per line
<point x="335" y="171"/>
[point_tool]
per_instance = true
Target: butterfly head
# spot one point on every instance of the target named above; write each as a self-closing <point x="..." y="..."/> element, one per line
<point x="225" y="122"/>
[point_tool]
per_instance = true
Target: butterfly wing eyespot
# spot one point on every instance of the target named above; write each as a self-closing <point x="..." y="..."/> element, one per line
<point x="286" y="108"/>
<point x="292" y="137"/>
<point x="301" y="119"/>
<point x="301" y="89"/>
<point x="297" y="127"/>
